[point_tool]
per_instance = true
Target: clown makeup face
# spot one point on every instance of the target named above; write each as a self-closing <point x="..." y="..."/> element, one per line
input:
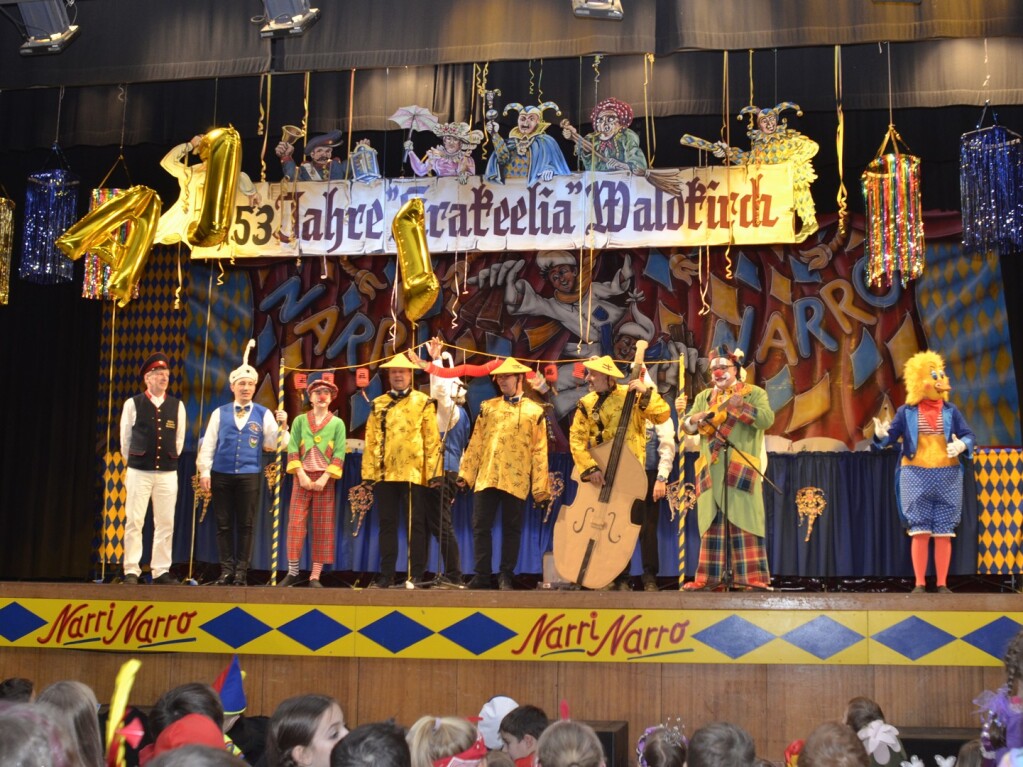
<point x="723" y="372"/>
<point x="320" y="397"/>
<point x="510" y="384"/>
<point x="606" y="125"/>
<point x="321" y="154"/>
<point x="528" y="122"/>
<point x="563" y="277"/>
<point x="156" y="381"/>
<point x="243" y="389"/>
<point x="400" y="378"/>
<point x="767" y="121"/>
<point x="599" y="382"/>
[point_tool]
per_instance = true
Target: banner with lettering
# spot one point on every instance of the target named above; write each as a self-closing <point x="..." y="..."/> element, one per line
<point x="680" y="207"/>
<point x="527" y="633"/>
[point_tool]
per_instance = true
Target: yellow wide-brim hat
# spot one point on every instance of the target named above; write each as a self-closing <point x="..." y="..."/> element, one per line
<point x="400" y="361"/>
<point x="510" y="366"/>
<point x="604" y="365"/>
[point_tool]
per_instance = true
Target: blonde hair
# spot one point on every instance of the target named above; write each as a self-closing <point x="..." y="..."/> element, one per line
<point x="434" y="737"/>
<point x="569" y="744"/>
<point x="917" y="373"/>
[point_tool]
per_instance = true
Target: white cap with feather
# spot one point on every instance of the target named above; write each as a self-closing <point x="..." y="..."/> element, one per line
<point x="245" y="370"/>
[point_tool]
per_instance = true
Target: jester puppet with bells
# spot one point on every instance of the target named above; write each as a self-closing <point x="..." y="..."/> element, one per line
<point x="929" y="479"/>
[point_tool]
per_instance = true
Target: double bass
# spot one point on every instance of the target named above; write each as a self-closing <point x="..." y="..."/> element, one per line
<point x="595" y="537"/>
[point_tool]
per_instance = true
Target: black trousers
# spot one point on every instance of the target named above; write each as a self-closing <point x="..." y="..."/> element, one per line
<point x="235" y="498"/>
<point x="646" y="515"/>
<point x="648" y="527"/>
<point x="484" y="511"/>
<point x="438" y="523"/>
<point x="395" y="501"/>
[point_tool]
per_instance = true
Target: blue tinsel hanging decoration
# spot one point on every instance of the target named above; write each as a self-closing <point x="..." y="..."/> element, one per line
<point x="51" y="206"/>
<point x="991" y="187"/>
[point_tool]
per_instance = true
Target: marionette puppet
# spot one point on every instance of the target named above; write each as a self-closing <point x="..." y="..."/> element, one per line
<point x="611" y="145"/>
<point x="929" y="479"/>
<point x="528" y="152"/>
<point x="453" y="157"/>
<point x="320" y="163"/>
<point x="192" y="210"/>
<point x="773" y="142"/>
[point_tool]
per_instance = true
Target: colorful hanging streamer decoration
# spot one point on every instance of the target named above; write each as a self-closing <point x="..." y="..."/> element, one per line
<point x="991" y="188"/>
<point x="6" y="245"/>
<point x="96" y="279"/>
<point x="895" y="225"/>
<point x="51" y="206"/>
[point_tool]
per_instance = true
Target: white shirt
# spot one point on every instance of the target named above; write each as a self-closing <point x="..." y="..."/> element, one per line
<point x="204" y="461"/>
<point x="129" y="414"/>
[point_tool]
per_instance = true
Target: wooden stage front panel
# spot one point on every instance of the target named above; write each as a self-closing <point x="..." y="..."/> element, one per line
<point x="777" y="663"/>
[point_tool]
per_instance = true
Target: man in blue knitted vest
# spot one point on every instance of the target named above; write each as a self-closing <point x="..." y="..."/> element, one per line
<point x="230" y="465"/>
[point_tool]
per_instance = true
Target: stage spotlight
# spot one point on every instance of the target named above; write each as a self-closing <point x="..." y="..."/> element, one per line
<point x="44" y="25"/>
<point x="598" y="9"/>
<point x="288" y="18"/>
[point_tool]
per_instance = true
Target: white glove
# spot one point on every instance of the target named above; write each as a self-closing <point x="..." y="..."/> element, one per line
<point x="881" y="429"/>
<point x="955" y="447"/>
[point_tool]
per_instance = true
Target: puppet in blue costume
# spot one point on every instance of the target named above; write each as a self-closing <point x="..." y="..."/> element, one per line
<point x="528" y="152"/>
<point x="929" y="480"/>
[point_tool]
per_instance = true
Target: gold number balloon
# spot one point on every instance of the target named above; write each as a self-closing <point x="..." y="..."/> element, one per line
<point x="99" y="232"/>
<point x="420" y="285"/>
<point x="221" y="150"/>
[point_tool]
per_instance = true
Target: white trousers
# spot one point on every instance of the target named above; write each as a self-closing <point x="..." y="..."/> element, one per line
<point x="162" y="488"/>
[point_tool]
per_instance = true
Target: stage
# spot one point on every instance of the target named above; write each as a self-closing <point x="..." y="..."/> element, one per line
<point x="778" y="663"/>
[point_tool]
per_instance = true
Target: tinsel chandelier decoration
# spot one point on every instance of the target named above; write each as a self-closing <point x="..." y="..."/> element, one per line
<point x="894" y="240"/>
<point x="991" y="188"/>
<point x="6" y="245"/>
<point x="51" y="206"/>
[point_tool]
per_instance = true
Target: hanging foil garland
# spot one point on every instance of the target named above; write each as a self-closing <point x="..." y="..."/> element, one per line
<point x="51" y="206"/>
<point x="991" y="188"/>
<point x="96" y="279"/>
<point x="6" y="245"/>
<point x="895" y="226"/>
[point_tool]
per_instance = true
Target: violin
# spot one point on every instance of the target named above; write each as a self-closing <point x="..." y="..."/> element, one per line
<point x="718" y="414"/>
<point x="595" y="537"/>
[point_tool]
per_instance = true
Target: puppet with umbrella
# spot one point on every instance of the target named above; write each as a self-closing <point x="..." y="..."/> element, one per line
<point x="453" y="157"/>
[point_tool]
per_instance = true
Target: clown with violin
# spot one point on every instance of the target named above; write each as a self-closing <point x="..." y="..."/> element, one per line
<point x="738" y="412"/>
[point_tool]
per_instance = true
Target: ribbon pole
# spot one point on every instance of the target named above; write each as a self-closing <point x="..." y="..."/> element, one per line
<point x="275" y="509"/>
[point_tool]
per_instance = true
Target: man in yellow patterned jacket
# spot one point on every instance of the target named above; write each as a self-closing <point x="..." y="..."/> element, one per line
<point x="506" y="458"/>
<point x="400" y="459"/>
<point x="596" y="420"/>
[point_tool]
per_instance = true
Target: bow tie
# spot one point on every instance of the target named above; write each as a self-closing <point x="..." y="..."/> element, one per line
<point x="242" y="409"/>
<point x="512" y="399"/>
<point x="398" y="394"/>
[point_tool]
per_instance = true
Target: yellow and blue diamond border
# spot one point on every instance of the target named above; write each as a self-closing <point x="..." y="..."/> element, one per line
<point x="597" y="634"/>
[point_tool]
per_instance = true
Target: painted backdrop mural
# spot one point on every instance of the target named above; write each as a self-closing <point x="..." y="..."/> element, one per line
<point x="828" y="349"/>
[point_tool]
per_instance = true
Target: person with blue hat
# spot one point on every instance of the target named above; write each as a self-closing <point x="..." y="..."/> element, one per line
<point x="320" y="165"/>
<point x="152" y="436"/>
